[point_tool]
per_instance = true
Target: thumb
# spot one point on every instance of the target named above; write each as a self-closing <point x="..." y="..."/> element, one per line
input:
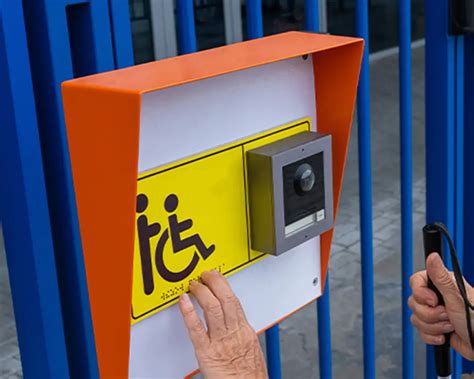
<point x="440" y="276"/>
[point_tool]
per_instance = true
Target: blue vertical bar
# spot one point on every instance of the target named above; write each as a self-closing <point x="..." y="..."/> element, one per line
<point x="272" y="342"/>
<point x="468" y="167"/>
<point x="459" y="233"/>
<point x="324" y="333"/>
<point x="459" y="158"/>
<point x="66" y="39"/>
<point x="430" y="363"/>
<point x="186" y="27"/>
<point x="121" y="33"/>
<point x="25" y="215"/>
<point x="254" y="19"/>
<point x="272" y="335"/>
<point x="312" y="15"/>
<point x="323" y="303"/>
<point x="406" y="164"/>
<point x="440" y="125"/>
<point x="365" y="189"/>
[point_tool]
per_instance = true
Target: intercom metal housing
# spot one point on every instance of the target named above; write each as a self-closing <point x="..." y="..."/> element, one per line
<point x="290" y="191"/>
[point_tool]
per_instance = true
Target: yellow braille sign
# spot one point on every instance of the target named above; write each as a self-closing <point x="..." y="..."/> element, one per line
<point x="192" y="216"/>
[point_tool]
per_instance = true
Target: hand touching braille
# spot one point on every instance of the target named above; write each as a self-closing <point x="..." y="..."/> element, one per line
<point x="229" y="348"/>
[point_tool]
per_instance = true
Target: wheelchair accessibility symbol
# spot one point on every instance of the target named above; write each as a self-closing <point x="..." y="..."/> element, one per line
<point x="171" y="234"/>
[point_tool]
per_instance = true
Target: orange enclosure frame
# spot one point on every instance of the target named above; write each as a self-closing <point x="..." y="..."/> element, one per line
<point x="103" y="124"/>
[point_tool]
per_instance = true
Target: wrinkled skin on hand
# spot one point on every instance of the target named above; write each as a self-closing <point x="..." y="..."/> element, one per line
<point x="229" y="347"/>
<point x="432" y="320"/>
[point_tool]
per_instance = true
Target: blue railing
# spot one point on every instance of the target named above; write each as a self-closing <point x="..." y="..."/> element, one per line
<point x="185" y="25"/>
<point x="446" y="137"/>
<point x="459" y="174"/>
<point x="25" y="215"/>
<point x="254" y="19"/>
<point x="323" y="305"/>
<point x="468" y="182"/>
<point x="406" y="164"/>
<point x="448" y="128"/>
<point x="365" y="193"/>
<point x="272" y="342"/>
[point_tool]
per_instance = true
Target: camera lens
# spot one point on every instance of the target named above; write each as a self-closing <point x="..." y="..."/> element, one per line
<point x="304" y="179"/>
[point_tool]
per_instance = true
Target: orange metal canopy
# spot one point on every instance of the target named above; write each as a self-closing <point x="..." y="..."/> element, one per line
<point x="103" y="122"/>
<point x="214" y="62"/>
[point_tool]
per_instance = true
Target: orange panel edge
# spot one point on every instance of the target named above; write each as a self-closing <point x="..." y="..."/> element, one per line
<point x="103" y="120"/>
<point x="103" y="144"/>
<point x="336" y="89"/>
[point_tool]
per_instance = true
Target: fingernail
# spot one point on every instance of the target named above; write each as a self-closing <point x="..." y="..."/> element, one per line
<point x="439" y="339"/>
<point x="185" y="299"/>
<point x="431" y="302"/>
<point x="193" y="283"/>
<point x="444" y="316"/>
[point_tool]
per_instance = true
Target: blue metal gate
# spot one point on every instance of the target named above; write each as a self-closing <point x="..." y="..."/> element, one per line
<point x="38" y="208"/>
<point x="449" y="127"/>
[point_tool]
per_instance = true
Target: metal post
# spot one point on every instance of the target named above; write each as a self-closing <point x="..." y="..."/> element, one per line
<point x="406" y="164"/>
<point x="365" y="189"/>
<point x="254" y="19"/>
<point x="323" y="16"/>
<point x="312" y="15"/>
<point x="233" y="22"/>
<point x="186" y="27"/>
<point x="272" y="335"/>
<point x="164" y="28"/>
<point x="121" y="33"/>
<point x="272" y="342"/>
<point x="323" y="303"/>
<point x="67" y="39"/>
<point x="440" y="123"/>
<point x="324" y="333"/>
<point x="25" y="215"/>
<point x="459" y="233"/>
<point x="459" y="163"/>
<point x="468" y="243"/>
